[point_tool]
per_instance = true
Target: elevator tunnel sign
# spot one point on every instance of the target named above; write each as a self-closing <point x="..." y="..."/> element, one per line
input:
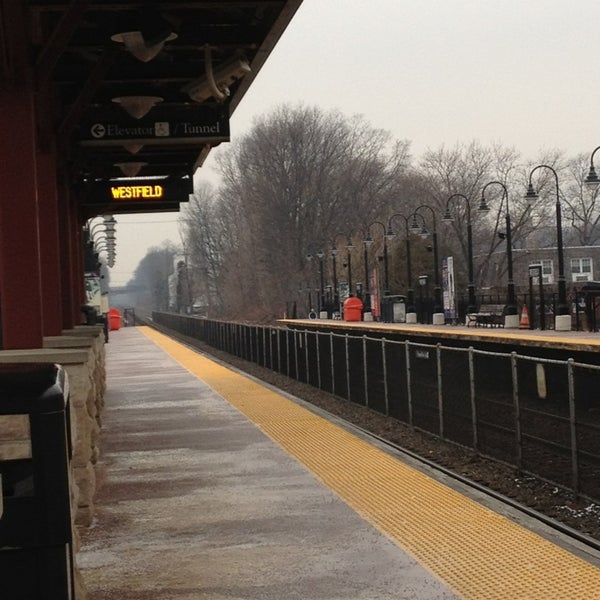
<point x="190" y="126"/>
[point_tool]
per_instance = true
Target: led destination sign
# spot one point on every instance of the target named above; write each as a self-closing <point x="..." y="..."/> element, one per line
<point x="135" y="192"/>
<point x="139" y="191"/>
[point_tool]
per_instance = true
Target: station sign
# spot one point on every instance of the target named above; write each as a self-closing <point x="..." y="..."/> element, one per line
<point x="182" y="126"/>
<point x="138" y="191"/>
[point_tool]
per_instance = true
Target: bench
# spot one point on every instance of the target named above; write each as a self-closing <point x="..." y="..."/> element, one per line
<point x="489" y="315"/>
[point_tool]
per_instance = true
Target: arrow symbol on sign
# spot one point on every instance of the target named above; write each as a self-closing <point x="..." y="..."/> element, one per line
<point x="98" y="130"/>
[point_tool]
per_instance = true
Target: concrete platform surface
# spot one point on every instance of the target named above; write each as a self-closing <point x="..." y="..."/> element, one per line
<point x="195" y="502"/>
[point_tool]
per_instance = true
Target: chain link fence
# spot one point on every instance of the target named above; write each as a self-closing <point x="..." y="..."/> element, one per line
<point x="540" y="415"/>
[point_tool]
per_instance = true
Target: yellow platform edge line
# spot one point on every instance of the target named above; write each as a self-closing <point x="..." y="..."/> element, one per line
<point x="479" y="554"/>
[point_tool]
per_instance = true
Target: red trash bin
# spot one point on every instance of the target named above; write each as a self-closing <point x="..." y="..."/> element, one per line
<point x="353" y="308"/>
<point x="114" y="319"/>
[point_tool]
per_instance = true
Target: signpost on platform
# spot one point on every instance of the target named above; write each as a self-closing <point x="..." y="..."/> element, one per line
<point x="536" y="280"/>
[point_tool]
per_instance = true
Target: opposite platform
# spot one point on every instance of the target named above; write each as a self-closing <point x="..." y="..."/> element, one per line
<point x="196" y="502"/>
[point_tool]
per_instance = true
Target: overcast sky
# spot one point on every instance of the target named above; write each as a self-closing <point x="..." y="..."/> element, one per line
<point x="520" y="72"/>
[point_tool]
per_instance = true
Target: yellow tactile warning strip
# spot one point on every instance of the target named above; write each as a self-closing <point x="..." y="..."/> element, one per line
<point x="479" y="554"/>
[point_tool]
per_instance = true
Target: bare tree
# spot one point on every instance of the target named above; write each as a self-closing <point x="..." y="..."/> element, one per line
<point x="206" y="239"/>
<point x="464" y="170"/>
<point x="151" y="277"/>
<point x="295" y="181"/>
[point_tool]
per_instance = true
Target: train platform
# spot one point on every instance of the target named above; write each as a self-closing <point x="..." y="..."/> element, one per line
<point x="213" y="485"/>
<point x="578" y="341"/>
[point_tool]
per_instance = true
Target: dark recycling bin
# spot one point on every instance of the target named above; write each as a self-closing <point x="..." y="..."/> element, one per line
<point x="36" y="557"/>
<point x="592" y="304"/>
<point x="393" y="309"/>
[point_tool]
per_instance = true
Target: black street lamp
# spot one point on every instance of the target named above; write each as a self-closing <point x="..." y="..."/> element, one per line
<point x="334" y="251"/>
<point x="367" y="241"/>
<point x="511" y="300"/>
<point x="410" y="293"/>
<point x="386" y="274"/>
<point x="320" y="256"/>
<point x="592" y="180"/>
<point x="438" y="308"/>
<point x="560" y="322"/>
<point x="349" y="248"/>
<point x="448" y="217"/>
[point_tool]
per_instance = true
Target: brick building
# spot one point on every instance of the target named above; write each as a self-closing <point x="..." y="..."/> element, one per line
<point x="581" y="264"/>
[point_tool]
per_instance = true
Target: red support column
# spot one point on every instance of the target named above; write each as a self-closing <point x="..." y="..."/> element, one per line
<point x="20" y="280"/>
<point x="49" y="244"/>
<point x="78" y="265"/>
<point x="67" y="223"/>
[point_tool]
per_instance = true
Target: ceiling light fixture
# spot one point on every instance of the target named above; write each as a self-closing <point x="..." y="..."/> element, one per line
<point x="137" y="106"/>
<point x="133" y="148"/>
<point x="136" y="44"/>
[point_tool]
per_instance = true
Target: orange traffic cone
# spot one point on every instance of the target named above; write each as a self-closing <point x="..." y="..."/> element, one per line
<point x="524" y="323"/>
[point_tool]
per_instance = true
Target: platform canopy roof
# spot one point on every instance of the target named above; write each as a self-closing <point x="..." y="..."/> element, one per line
<point x="99" y="65"/>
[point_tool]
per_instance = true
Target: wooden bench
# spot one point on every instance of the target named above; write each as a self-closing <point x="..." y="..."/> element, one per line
<point x="489" y="315"/>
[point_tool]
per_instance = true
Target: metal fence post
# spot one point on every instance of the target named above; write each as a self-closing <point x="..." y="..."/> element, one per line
<point x="278" y="352"/>
<point x="332" y="362"/>
<point x="318" y="360"/>
<point x="408" y="383"/>
<point x="296" y="336"/>
<point x="517" y="407"/>
<point x="385" y="379"/>
<point x="287" y="352"/>
<point x="256" y="344"/>
<point x="472" y="395"/>
<point x="306" y="357"/>
<point x="438" y="353"/>
<point x="573" y="427"/>
<point x="346" y="341"/>
<point x="366" y="376"/>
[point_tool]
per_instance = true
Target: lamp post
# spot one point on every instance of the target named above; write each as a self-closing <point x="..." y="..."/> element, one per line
<point x="511" y="318"/>
<point x="321" y="304"/>
<point x="102" y="231"/>
<point x="592" y="180"/>
<point x="349" y="248"/>
<point x="438" y="308"/>
<point x="320" y="255"/>
<point x="336" y="293"/>
<point x="386" y="274"/>
<point x="367" y="241"/>
<point x="411" y="315"/>
<point x="562" y="321"/>
<point x="448" y="217"/>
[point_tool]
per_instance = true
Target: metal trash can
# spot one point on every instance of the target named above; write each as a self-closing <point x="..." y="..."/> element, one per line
<point x="591" y="292"/>
<point x="393" y="309"/>
<point x="353" y="308"/>
<point x="36" y="555"/>
<point x="399" y="309"/>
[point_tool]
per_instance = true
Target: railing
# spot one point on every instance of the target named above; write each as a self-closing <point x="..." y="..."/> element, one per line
<point x="540" y="415"/>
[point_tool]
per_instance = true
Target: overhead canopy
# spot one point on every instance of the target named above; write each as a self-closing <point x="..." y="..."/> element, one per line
<point x="99" y="66"/>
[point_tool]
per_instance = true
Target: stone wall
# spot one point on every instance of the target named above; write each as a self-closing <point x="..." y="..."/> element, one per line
<point x="81" y="353"/>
